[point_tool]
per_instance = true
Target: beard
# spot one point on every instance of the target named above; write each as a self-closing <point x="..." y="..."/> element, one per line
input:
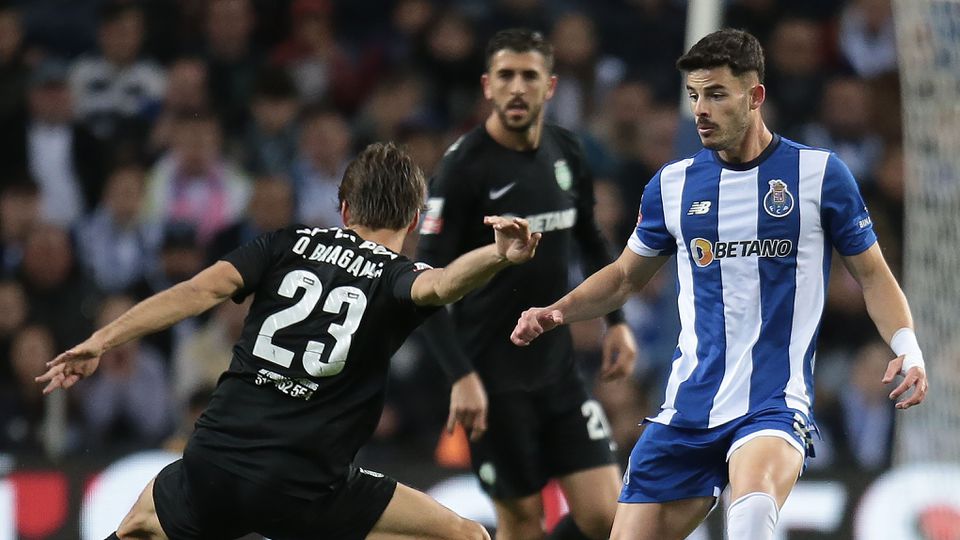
<point x="533" y="114"/>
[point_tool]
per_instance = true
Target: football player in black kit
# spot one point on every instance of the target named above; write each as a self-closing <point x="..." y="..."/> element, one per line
<point x="273" y="452"/>
<point x="541" y="422"/>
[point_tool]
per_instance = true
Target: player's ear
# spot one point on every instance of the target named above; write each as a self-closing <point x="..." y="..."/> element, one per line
<point x="345" y="213"/>
<point x="551" y="86"/>
<point x="758" y="94"/>
<point x="485" y="84"/>
<point x="413" y="224"/>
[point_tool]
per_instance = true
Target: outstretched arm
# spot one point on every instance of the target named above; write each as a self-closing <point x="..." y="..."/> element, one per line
<point x="513" y="244"/>
<point x="887" y="306"/>
<point x="185" y="299"/>
<point x="604" y="291"/>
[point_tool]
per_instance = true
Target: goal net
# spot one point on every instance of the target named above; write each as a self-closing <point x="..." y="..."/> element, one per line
<point x="928" y="42"/>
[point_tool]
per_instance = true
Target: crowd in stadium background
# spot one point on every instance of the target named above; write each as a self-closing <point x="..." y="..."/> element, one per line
<point x="141" y="140"/>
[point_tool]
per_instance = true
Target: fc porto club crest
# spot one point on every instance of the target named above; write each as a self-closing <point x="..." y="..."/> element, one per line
<point x="562" y="171"/>
<point x="778" y="202"/>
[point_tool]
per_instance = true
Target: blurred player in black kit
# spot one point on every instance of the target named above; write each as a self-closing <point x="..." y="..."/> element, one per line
<point x="541" y="422"/>
<point x="273" y="452"/>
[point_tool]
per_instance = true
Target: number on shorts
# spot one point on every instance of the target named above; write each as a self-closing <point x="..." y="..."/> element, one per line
<point x="597" y="425"/>
<point x="312" y="355"/>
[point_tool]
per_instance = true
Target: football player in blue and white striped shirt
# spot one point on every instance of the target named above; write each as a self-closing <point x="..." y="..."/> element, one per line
<point x="752" y="219"/>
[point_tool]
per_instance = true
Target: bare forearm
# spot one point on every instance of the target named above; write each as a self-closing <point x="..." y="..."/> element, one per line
<point x="886" y="304"/>
<point x="464" y="274"/>
<point x="601" y="293"/>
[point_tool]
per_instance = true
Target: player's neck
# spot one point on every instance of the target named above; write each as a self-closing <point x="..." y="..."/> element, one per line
<point x="520" y="141"/>
<point x="385" y="237"/>
<point x="754" y="142"/>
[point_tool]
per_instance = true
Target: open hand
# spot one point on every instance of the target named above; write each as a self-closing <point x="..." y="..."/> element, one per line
<point x="915" y="378"/>
<point x="69" y="367"/>
<point x="513" y="238"/>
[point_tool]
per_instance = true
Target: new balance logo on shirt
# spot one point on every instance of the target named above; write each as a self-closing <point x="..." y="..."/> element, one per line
<point x="699" y="208"/>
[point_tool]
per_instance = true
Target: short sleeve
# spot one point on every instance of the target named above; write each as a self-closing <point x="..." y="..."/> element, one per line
<point x="651" y="237"/>
<point x="846" y="220"/>
<point x="398" y="279"/>
<point x="252" y="260"/>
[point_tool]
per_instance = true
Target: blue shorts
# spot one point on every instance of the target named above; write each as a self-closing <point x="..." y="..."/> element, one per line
<point x="670" y="463"/>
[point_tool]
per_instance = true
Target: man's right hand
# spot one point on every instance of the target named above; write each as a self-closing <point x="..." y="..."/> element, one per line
<point x="514" y="241"/>
<point x="71" y="366"/>
<point x="468" y="406"/>
<point x="534" y="322"/>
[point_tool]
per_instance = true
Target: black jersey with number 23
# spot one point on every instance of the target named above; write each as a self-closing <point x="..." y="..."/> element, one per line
<point x="305" y="388"/>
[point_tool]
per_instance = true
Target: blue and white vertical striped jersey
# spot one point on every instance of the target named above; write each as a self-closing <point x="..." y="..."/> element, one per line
<point x="753" y="244"/>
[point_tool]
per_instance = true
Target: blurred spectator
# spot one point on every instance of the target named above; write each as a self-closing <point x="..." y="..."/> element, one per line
<point x="270" y="208"/>
<point x="755" y="16"/>
<point x="395" y="101"/>
<point x="795" y="74"/>
<point x="451" y="55"/>
<point x="13" y="314"/>
<point x="410" y="19"/>
<point x="180" y="258"/>
<point x="117" y="92"/>
<point x="186" y="92"/>
<point x="59" y="293"/>
<point x="200" y="359"/>
<point x="654" y="146"/>
<point x="193" y="183"/>
<point x="231" y="60"/>
<point x="60" y="28"/>
<point x="647" y="35"/>
<point x="114" y="243"/>
<point x="62" y="156"/>
<point x="320" y="65"/>
<point x="22" y="404"/>
<point x="424" y="141"/>
<point x="868" y="38"/>
<point x="857" y="422"/>
<point x="587" y="76"/>
<point x="844" y="126"/>
<point x="19" y="211"/>
<point x="624" y="112"/>
<point x="13" y="67"/>
<point x="127" y="403"/>
<point x="270" y="144"/>
<point x="316" y="175"/>
<point x="501" y="14"/>
<point x="195" y="406"/>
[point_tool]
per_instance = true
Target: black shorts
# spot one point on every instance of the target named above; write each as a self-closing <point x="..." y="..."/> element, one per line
<point x="198" y="500"/>
<point x="533" y="436"/>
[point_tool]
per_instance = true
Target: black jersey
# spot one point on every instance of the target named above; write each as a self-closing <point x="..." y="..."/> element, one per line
<point x="306" y="384"/>
<point x="552" y="188"/>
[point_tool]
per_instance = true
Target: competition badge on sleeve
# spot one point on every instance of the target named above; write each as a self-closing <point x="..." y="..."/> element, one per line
<point x="778" y="202"/>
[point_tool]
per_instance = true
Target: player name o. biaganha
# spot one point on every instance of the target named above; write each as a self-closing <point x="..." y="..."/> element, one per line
<point x="354" y="263"/>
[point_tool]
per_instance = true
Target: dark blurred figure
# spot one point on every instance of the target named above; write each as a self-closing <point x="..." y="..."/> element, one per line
<point x="501" y="14"/>
<point x="128" y="404"/>
<point x="181" y="256"/>
<point x="13" y="315"/>
<point x="322" y="67"/>
<point x="19" y="208"/>
<point x="588" y="76"/>
<point x="316" y="174"/>
<point x="619" y="121"/>
<point x="200" y="360"/>
<point x="117" y="93"/>
<point x="195" y="405"/>
<point x="187" y="91"/>
<point x="755" y="16"/>
<point x="61" y="155"/>
<point x="845" y="124"/>
<point x="868" y="38"/>
<point x="409" y="22"/>
<point x="450" y="56"/>
<point x="193" y="182"/>
<point x="795" y="72"/>
<point x="270" y="142"/>
<point x="857" y="420"/>
<point x="59" y="293"/>
<point x="232" y="61"/>
<point x="14" y="70"/>
<point x="270" y="208"/>
<point x="398" y="99"/>
<point x="115" y="243"/>
<point x="22" y="405"/>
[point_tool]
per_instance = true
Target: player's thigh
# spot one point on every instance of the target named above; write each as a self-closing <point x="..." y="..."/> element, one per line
<point x="141" y="521"/>
<point x="411" y="514"/>
<point x="592" y="497"/>
<point x="766" y="464"/>
<point x="673" y="520"/>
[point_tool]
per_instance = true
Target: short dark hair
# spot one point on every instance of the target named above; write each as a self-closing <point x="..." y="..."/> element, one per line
<point x="736" y="49"/>
<point x="520" y="40"/>
<point x="114" y="10"/>
<point x="383" y="187"/>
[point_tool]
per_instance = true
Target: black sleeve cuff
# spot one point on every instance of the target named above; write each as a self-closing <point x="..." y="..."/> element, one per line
<point x="614" y="317"/>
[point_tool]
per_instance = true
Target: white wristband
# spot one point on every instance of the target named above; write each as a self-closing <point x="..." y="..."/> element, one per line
<point x="904" y="343"/>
